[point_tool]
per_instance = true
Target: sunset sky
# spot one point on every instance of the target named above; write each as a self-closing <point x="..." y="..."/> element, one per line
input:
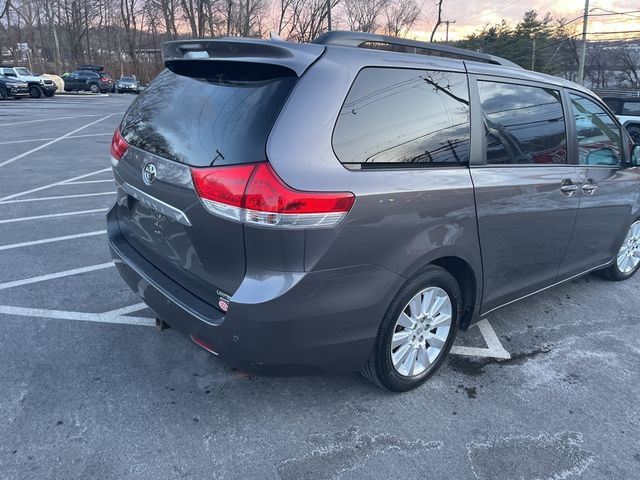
<point x="472" y="14"/>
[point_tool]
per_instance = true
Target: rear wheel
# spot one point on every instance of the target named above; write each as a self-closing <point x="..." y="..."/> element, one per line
<point x="94" y="88"/>
<point x="3" y="93"/>
<point x="627" y="261"/>
<point x="35" y="91"/>
<point x="634" y="132"/>
<point x="416" y="332"/>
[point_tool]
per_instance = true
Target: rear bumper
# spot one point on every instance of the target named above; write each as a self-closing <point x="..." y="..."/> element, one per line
<point x="278" y="322"/>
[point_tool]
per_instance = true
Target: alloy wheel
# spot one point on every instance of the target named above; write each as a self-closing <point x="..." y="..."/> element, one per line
<point x="629" y="254"/>
<point x="421" y="331"/>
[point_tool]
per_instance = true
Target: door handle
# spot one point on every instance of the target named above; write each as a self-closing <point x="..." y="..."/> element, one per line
<point x="589" y="187"/>
<point x="568" y="188"/>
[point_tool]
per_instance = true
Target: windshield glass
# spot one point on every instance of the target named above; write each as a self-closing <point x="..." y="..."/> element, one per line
<point x="23" y="71"/>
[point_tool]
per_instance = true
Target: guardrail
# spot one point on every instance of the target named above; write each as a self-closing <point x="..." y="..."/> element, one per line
<point x="617" y="92"/>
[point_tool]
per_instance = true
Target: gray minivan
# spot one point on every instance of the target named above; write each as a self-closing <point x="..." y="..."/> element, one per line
<point x="349" y="204"/>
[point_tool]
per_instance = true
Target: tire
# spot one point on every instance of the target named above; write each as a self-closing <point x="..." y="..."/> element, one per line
<point x="93" y="88"/>
<point x="627" y="261"/>
<point x="103" y="91"/>
<point x="634" y="132"/>
<point x="35" y="91"/>
<point x="3" y="93"/>
<point x="432" y="285"/>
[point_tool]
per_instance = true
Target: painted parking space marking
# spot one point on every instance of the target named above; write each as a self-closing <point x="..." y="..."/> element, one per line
<point x="54" y="215"/>
<point x="81" y="316"/>
<point x="84" y="182"/>
<point x="54" y="184"/>
<point x="51" y="142"/>
<point x="494" y="347"/>
<point x="125" y="310"/>
<point x="57" y="197"/>
<point x="51" y="240"/>
<point x="53" y="138"/>
<point x="52" y="276"/>
<point x="51" y="119"/>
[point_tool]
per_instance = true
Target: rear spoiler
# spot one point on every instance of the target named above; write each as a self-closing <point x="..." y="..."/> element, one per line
<point x="249" y="58"/>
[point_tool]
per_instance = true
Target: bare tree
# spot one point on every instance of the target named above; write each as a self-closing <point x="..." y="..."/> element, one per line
<point x="401" y="15"/>
<point x="363" y="15"/>
<point x="438" y="20"/>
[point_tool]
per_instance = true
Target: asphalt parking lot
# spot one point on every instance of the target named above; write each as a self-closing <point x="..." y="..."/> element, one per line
<point x="546" y="388"/>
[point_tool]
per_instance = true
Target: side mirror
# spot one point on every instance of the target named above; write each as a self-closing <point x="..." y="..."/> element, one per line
<point x="635" y="155"/>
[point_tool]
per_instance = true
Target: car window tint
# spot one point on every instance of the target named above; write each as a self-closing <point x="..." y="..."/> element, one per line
<point x="400" y="117"/>
<point x="200" y="122"/>
<point x="523" y="124"/>
<point x="631" y="108"/>
<point x="599" y="141"/>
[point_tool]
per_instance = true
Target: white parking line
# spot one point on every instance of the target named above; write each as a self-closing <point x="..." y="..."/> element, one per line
<point x="494" y="347"/>
<point x="53" y="138"/>
<point x="54" y="215"/>
<point x="44" y="145"/>
<point x="51" y="240"/>
<point x="59" y="197"/>
<point x="85" y="317"/>
<point x="54" y="184"/>
<point x="52" y="276"/>
<point x="130" y="309"/>
<point x="84" y="182"/>
<point x="46" y="120"/>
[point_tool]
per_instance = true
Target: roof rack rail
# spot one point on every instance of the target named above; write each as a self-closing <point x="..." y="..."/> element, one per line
<point x="357" y="39"/>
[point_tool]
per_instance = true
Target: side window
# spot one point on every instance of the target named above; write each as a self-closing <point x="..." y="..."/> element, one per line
<point x="599" y="141"/>
<point x="523" y="124"/>
<point x="631" y="108"/>
<point x="399" y="117"/>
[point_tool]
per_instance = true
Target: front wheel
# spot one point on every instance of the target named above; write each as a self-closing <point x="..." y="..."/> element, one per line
<point x="634" y="133"/>
<point x="417" y="331"/>
<point x="627" y="261"/>
<point x="35" y="91"/>
<point x="3" y="93"/>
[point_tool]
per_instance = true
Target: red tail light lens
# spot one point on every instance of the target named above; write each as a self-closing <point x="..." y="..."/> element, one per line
<point x="104" y="79"/>
<point x="255" y="194"/>
<point x="118" y="145"/>
<point x="221" y="189"/>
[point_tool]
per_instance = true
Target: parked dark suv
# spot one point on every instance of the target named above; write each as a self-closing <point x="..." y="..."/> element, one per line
<point x="11" y="87"/>
<point x="331" y="206"/>
<point x="86" y="80"/>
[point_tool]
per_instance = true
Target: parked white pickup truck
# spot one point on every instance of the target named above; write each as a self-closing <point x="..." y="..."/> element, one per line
<point x="38" y="86"/>
<point x="627" y="109"/>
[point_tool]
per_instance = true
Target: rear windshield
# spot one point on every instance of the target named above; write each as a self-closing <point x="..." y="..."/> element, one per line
<point x="201" y="123"/>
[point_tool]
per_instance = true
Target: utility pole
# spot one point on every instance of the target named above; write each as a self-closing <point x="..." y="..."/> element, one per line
<point x="533" y="55"/>
<point x="329" y="14"/>
<point x="583" y="50"/>
<point x="447" y="22"/>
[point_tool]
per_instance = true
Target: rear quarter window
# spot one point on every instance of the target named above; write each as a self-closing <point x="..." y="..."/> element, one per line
<point x="204" y="122"/>
<point x="403" y="117"/>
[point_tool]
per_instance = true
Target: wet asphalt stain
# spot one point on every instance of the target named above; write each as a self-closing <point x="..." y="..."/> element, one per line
<point x="473" y="367"/>
<point x="549" y="456"/>
<point x="342" y="452"/>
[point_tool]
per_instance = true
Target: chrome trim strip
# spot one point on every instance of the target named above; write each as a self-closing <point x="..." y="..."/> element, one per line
<point x="546" y="288"/>
<point x="154" y="203"/>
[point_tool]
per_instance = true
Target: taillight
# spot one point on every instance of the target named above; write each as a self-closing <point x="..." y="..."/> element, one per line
<point x="104" y="79"/>
<point x="118" y="146"/>
<point x="221" y="189"/>
<point x="255" y="194"/>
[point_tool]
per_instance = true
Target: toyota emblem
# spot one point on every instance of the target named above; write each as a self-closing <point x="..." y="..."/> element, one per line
<point x="149" y="173"/>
